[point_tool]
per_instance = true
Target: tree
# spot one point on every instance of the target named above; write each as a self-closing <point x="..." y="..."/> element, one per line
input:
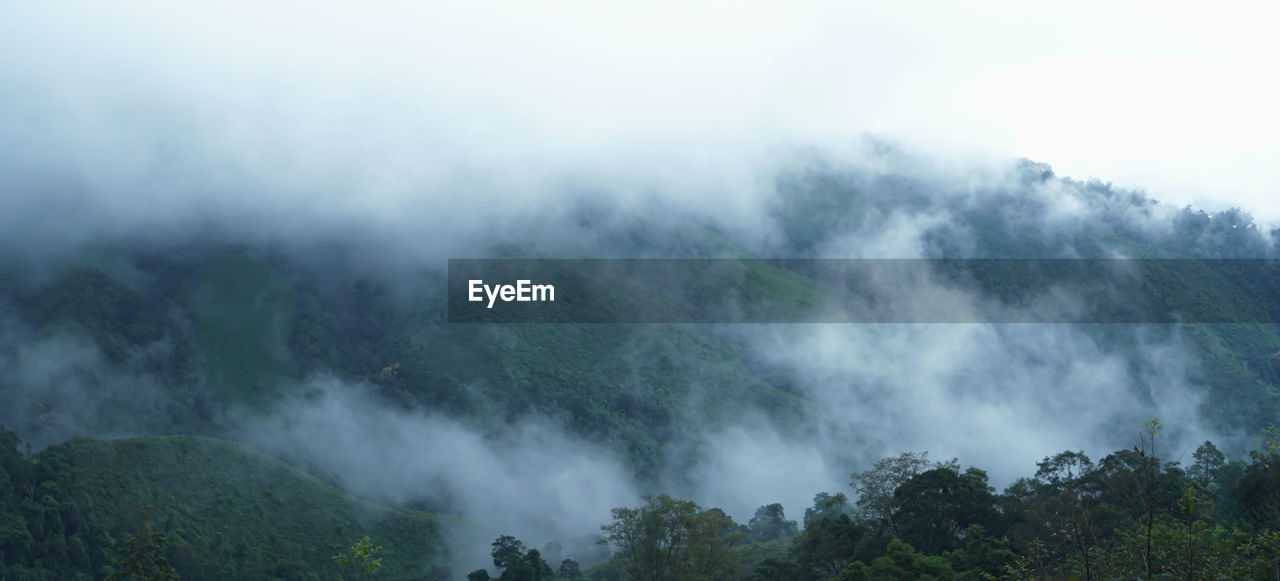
<point x="505" y="550"/>
<point x="769" y="523"/>
<point x="828" y="544"/>
<point x="362" y="558"/>
<point x="518" y="569"/>
<point x="980" y="556"/>
<point x="569" y="569"/>
<point x="515" y="565"/>
<point x="537" y="565"/>
<point x="1194" y="548"/>
<point x="1148" y="472"/>
<point x="712" y="534"/>
<point x="933" y="508"/>
<point x="1065" y="492"/>
<point x="1137" y="479"/>
<point x="670" y="539"/>
<point x="650" y="540"/>
<point x="1063" y="470"/>
<point x="875" y="487"/>
<point x="827" y="505"/>
<point x="772" y="570"/>
<point x="142" y="558"/>
<point x="900" y="561"/>
<point x="1209" y="461"/>
<point x="1257" y="492"/>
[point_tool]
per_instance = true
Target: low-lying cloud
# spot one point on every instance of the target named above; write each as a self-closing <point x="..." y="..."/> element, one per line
<point x="530" y="480"/>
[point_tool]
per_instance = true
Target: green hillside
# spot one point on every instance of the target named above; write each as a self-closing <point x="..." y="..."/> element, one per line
<point x="229" y="513"/>
<point x="185" y="340"/>
<point x="243" y="316"/>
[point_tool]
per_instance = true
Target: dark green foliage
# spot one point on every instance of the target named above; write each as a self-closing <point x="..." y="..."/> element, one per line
<point x="751" y="556"/>
<point x="770" y="523"/>
<point x="46" y="528"/>
<point x="771" y="569"/>
<point x="899" y="561"/>
<point x="673" y="539"/>
<point x="569" y="569"/>
<point x="212" y="509"/>
<point x="361" y="560"/>
<point x="1257" y="492"/>
<point x="516" y="565"/>
<point x="875" y="487"/>
<point x="528" y="567"/>
<point x="240" y="328"/>
<point x="115" y="316"/>
<point x="243" y="314"/>
<point x="506" y="550"/>
<point x="142" y="559"/>
<point x="1131" y="515"/>
<point x="245" y="324"/>
<point x="934" y="507"/>
<point x="980" y="555"/>
<point x="828" y="544"/>
<point x="827" y="505"/>
<point x="1209" y="462"/>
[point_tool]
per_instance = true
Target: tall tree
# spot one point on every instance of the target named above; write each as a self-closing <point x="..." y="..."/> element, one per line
<point x="142" y="558"/>
<point x="505" y="550"/>
<point x="669" y="539"/>
<point x="569" y="569"/>
<point x="875" y="487"/>
<point x="769" y="523"/>
<point x="933" y="508"/>
<point x="1209" y="461"/>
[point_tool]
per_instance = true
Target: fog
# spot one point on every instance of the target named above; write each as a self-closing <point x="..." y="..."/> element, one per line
<point x="58" y="384"/>
<point x="408" y="135"/>
<point x="531" y="480"/>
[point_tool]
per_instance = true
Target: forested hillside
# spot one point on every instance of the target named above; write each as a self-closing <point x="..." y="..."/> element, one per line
<point x="212" y="509"/>
<point x="140" y="376"/>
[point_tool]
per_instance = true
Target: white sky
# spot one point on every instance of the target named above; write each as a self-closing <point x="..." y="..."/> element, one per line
<point x="1177" y="99"/>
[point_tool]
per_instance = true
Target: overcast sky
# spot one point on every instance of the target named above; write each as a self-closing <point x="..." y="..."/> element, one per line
<point x="1179" y="100"/>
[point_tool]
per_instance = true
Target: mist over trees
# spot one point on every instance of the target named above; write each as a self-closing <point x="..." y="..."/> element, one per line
<point x="330" y="352"/>
<point x="227" y="350"/>
<point x="1131" y="515"/>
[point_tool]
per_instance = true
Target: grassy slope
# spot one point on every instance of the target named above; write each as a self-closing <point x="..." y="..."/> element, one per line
<point x="231" y="512"/>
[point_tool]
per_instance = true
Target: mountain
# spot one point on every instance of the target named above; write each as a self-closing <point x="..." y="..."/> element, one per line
<point x="163" y="351"/>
